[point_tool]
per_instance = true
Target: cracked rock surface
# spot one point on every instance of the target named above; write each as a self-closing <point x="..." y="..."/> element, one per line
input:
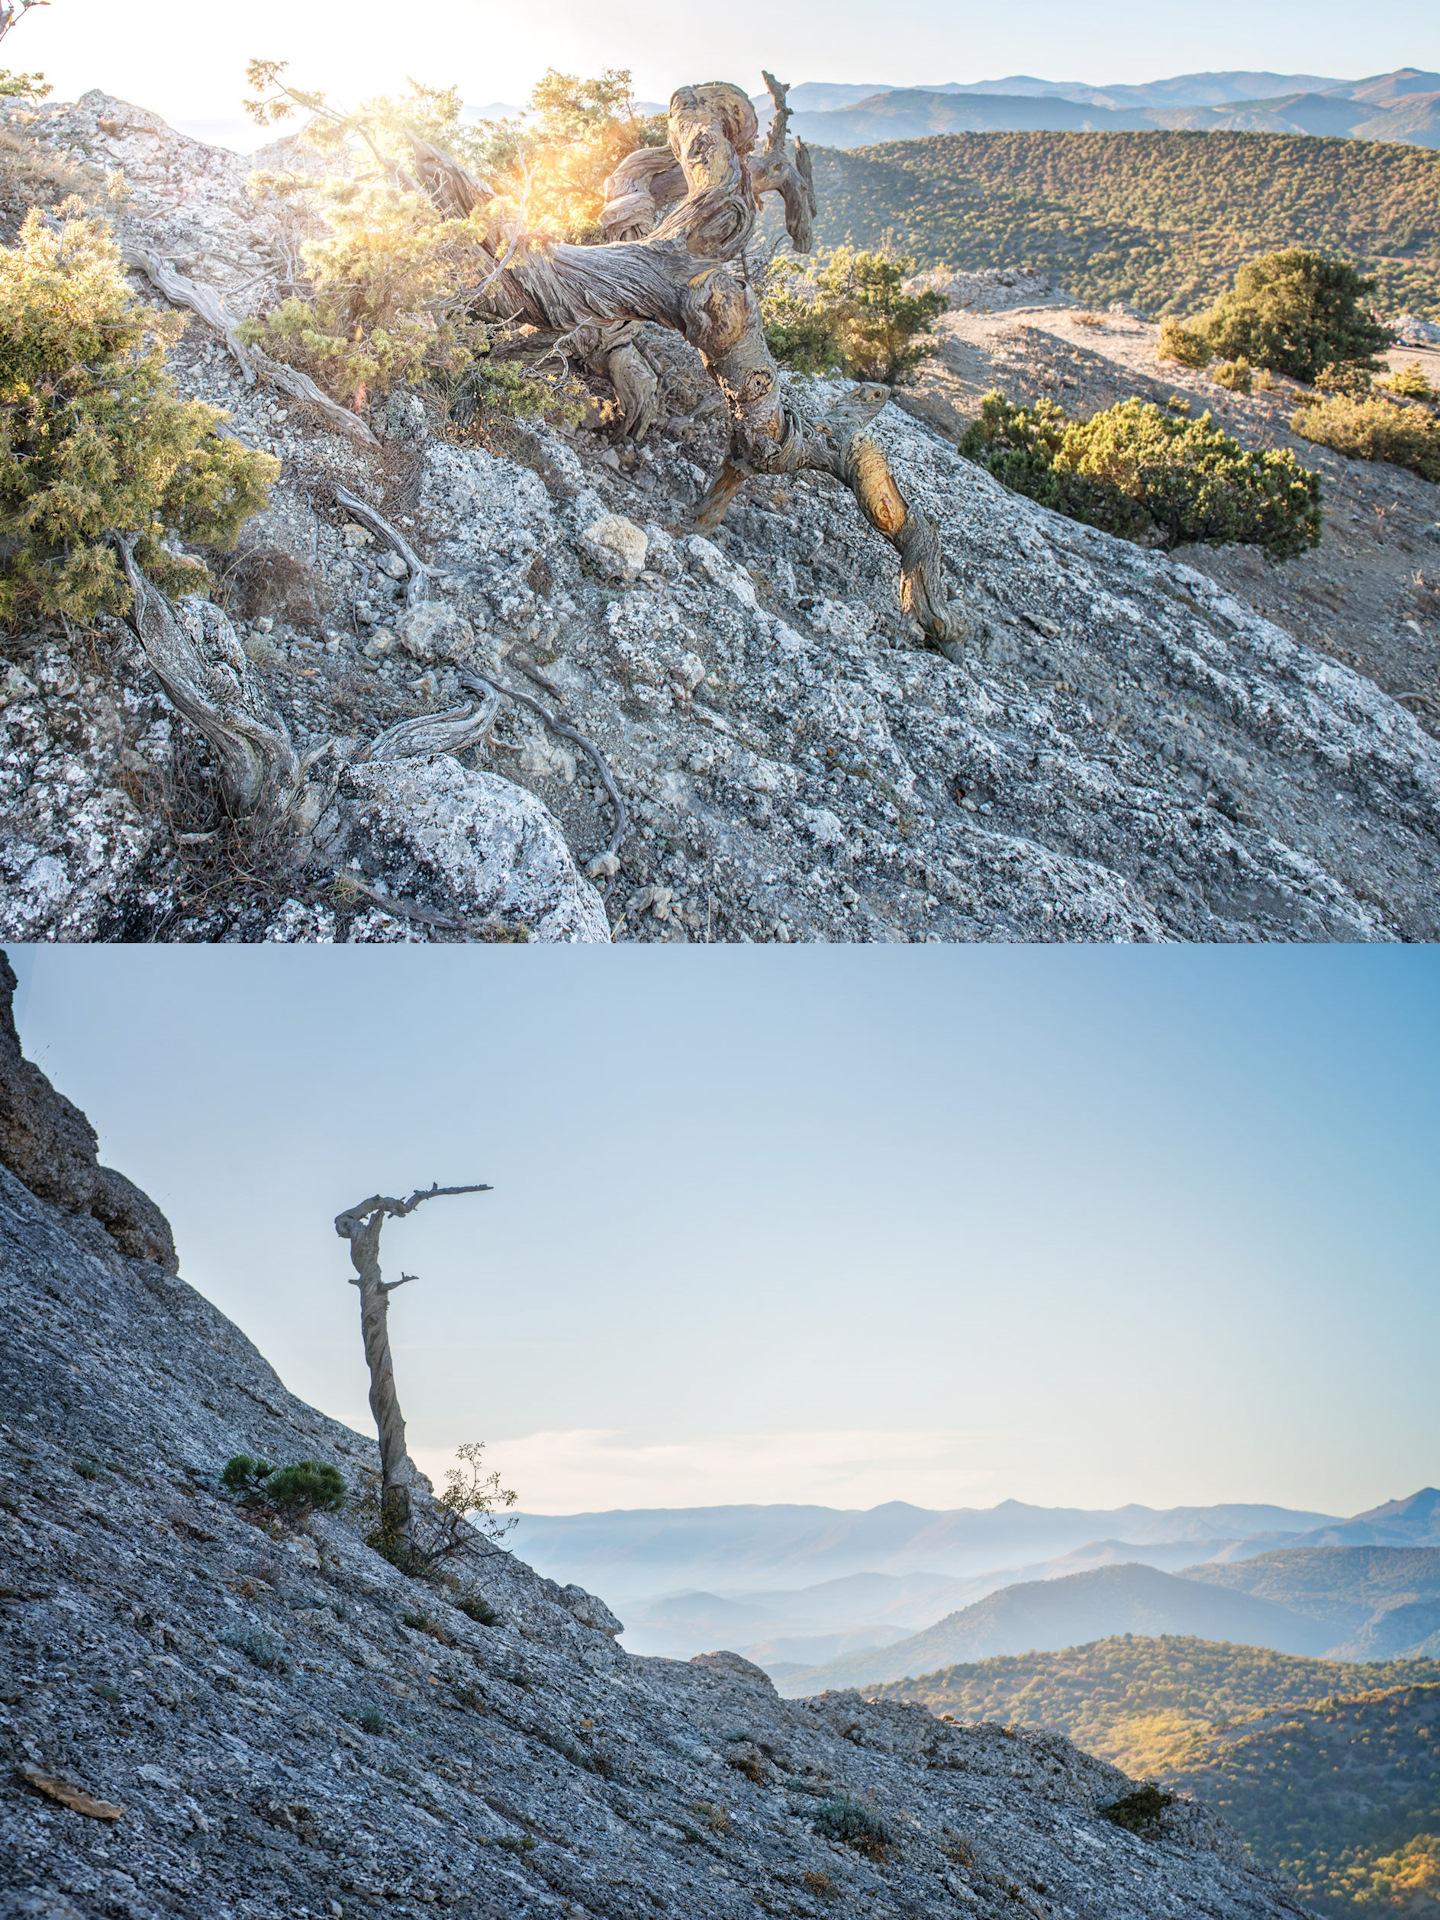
<point x="211" y="1716"/>
<point x="1127" y="751"/>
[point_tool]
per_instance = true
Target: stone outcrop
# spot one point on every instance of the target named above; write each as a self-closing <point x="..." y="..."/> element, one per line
<point x="1123" y="752"/>
<point x="206" y="1714"/>
<point x="48" y="1143"/>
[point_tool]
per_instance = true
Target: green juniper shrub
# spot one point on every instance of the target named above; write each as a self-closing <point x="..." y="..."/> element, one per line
<point x="1296" y="312"/>
<point x="1186" y="346"/>
<point x="87" y="1468"/>
<point x="855" y="1825"/>
<point x="1145" y="473"/>
<point x="849" y="313"/>
<point x="1410" y="383"/>
<point x="94" y="440"/>
<point x="1237" y="376"/>
<point x="1377" y="427"/>
<point x="1140" y="1811"/>
<point x="1340" y="377"/>
<point x="371" y="1721"/>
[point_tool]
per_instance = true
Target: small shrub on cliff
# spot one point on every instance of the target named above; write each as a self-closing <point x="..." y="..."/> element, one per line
<point x="1237" y="376"/>
<point x="1186" y="346"/>
<point x="850" y="314"/>
<point x="1140" y="1811"/>
<point x="855" y="1825"/>
<point x="93" y="438"/>
<point x="310" y="1486"/>
<point x="1148" y="474"/>
<point x="1410" y="383"/>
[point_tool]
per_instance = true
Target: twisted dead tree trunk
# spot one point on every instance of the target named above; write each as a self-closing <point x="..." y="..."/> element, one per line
<point x="361" y="1226"/>
<point x="679" y="218"/>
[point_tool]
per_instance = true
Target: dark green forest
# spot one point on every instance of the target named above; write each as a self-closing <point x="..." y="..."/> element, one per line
<point x="1159" y="219"/>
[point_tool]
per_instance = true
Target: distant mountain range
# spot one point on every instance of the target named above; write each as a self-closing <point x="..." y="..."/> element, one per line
<point x="1346" y="1603"/>
<point x="651" y="1550"/>
<point x="1402" y="106"/>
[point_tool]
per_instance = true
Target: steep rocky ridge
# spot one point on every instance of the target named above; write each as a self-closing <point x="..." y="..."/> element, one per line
<point x="1125" y="752"/>
<point x="209" y="1718"/>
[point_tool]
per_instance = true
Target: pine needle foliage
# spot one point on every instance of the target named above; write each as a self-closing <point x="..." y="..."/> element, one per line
<point x="1296" y="312"/>
<point x="94" y="440"/>
<point x="1374" y="426"/>
<point x="848" y="313"/>
<point x="1149" y="475"/>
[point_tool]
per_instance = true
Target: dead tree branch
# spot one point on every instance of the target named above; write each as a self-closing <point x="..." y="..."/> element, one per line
<point x="677" y="221"/>
<point x="361" y="1226"/>
<point x="194" y="653"/>
<point x="417" y="588"/>
<point x="607" y="862"/>
<point x="253" y="364"/>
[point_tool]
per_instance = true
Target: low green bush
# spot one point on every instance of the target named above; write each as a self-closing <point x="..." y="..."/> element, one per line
<point x="1140" y="1811"/>
<point x="1186" y="346"/>
<point x="849" y="314"/>
<point x="855" y="1825"/>
<point x="1374" y="428"/>
<point x="1238" y="376"/>
<point x="94" y="439"/>
<point x="371" y="1721"/>
<point x="1296" y="312"/>
<point x="310" y="1486"/>
<point x="1410" y="383"/>
<point x="1147" y="474"/>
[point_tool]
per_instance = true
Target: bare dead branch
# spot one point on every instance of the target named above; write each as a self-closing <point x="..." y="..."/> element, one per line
<point x="478" y="682"/>
<point x="418" y="587"/>
<point x="361" y="1226"/>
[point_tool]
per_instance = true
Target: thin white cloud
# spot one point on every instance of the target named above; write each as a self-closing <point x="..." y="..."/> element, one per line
<point x="594" y="1469"/>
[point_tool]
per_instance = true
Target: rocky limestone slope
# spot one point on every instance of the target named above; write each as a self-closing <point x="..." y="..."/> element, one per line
<point x="206" y="1716"/>
<point x="1125" y="752"/>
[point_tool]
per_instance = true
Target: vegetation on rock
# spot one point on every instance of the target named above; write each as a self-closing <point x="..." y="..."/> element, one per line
<point x="1155" y="218"/>
<point x="94" y="440"/>
<point x="849" y="314"/>
<point x="1147" y="474"/>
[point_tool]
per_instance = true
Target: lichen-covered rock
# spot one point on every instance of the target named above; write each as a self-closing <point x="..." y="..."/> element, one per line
<point x="1125" y="751"/>
<point x="467" y="844"/>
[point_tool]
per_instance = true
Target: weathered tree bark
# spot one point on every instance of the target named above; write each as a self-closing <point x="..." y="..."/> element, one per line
<point x="196" y="657"/>
<point x="679" y="219"/>
<point x="252" y="363"/>
<point x="361" y="1226"/>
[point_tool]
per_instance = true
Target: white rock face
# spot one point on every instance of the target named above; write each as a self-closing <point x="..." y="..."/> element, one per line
<point x="617" y="541"/>
<point x="470" y="845"/>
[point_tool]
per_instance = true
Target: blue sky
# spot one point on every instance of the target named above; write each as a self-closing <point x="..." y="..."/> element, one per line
<point x="189" y="64"/>
<point x="1076" y="1226"/>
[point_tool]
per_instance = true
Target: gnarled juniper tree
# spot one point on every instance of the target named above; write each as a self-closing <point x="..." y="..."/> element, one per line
<point x="361" y="1226"/>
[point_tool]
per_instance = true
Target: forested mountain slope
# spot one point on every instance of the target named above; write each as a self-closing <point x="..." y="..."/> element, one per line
<point x="1158" y="219"/>
<point x="1330" y="1771"/>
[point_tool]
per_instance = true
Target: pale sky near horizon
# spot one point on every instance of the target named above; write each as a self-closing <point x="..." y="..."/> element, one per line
<point x="823" y="1224"/>
<point x="188" y="63"/>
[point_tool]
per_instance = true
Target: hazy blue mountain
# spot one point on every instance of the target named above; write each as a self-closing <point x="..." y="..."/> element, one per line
<point x="1347" y="1586"/>
<point x="1044" y="1615"/>
<point x="630" y="1553"/>
<point x="1402" y="106"/>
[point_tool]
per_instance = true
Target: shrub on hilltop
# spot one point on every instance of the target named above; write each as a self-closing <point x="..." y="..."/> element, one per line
<point x="849" y="314"/>
<point x="94" y="440"/>
<point x="1145" y="474"/>
<point x="1296" y="312"/>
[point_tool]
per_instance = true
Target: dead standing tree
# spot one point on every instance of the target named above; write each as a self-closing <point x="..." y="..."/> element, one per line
<point x="361" y="1226"/>
<point x="683" y="216"/>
